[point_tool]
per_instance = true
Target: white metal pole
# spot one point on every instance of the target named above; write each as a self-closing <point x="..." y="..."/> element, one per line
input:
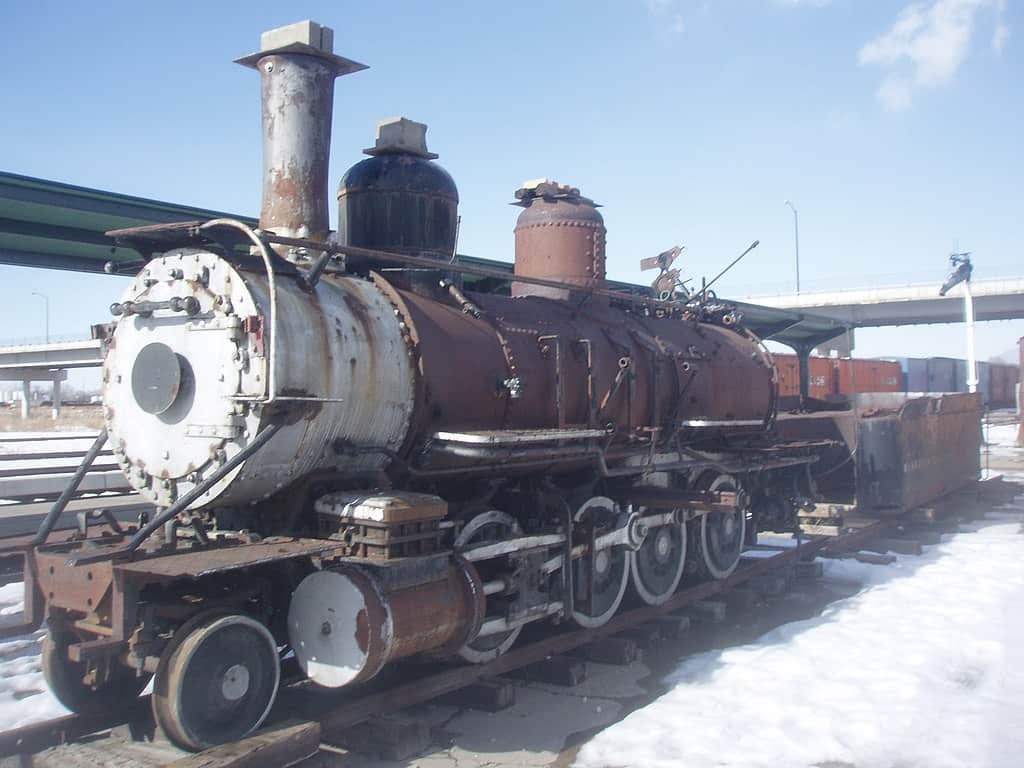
<point x="972" y="365"/>
<point x="796" y="241"/>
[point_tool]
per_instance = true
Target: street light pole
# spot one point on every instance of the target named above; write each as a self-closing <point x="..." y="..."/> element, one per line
<point x="962" y="269"/>
<point x="45" y="298"/>
<point x="796" y="241"/>
<point x="972" y="362"/>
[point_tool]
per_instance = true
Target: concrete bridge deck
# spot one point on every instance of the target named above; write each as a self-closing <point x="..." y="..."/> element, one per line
<point x="994" y="299"/>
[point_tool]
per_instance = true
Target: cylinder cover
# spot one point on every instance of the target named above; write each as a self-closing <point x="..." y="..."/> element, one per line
<point x="343" y="626"/>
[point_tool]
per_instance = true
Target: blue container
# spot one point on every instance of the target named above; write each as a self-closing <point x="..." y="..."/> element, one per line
<point x="915" y="374"/>
<point x="960" y="375"/>
<point x="941" y="374"/>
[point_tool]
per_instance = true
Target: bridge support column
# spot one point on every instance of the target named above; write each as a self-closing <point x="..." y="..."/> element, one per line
<point x="803" y="353"/>
<point x="26" y="398"/>
<point x="55" y="398"/>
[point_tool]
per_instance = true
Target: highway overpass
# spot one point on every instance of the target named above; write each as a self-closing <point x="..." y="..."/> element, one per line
<point x="994" y="299"/>
<point x="47" y="362"/>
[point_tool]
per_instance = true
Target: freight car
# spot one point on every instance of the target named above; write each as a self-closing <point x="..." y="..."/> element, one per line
<point x="355" y="460"/>
<point x="842" y="376"/>
<point x="997" y="382"/>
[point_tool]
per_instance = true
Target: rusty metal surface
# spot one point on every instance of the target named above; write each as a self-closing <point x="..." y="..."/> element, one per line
<point x="76" y="588"/>
<point x="834" y="472"/>
<point x="672" y="498"/>
<point x="923" y="450"/>
<point x="197" y="564"/>
<point x="536" y="364"/>
<point x="297" y="69"/>
<point x="561" y="237"/>
<point x="439" y="616"/>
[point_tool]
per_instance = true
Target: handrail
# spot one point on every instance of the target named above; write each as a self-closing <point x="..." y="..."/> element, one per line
<point x="258" y="241"/>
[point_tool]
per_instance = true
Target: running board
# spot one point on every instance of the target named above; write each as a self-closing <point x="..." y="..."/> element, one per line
<point x="519" y="436"/>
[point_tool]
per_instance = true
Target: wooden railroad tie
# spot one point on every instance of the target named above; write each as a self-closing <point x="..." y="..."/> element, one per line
<point x="870" y="558"/>
<point x="646" y="636"/>
<point x="773" y="583"/>
<point x="808" y="571"/>
<point x="555" y="670"/>
<point x="672" y="626"/>
<point x="386" y="738"/>
<point x="706" y="610"/>
<point x="492" y="694"/>
<point x="611" y="650"/>
<point x="282" y="744"/>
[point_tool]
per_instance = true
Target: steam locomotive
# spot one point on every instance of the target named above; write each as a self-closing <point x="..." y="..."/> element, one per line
<point x="355" y="459"/>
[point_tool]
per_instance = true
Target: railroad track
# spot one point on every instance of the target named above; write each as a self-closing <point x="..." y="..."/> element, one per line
<point x="30" y="477"/>
<point x="301" y="721"/>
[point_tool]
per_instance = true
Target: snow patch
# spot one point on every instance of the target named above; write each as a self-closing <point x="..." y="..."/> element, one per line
<point x="24" y="695"/>
<point x="924" y="666"/>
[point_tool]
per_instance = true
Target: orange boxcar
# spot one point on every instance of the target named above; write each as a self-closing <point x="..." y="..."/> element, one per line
<point x="869" y="376"/>
<point x="821" y="376"/>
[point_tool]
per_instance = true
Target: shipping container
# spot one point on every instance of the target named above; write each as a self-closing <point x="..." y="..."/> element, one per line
<point x="915" y="375"/>
<point x="856" y="375"/>
<point x="941" y="374"/>
<point x="959" y="375"/>
<point x="821" y="380"/>
<point x="1003" y="385"/>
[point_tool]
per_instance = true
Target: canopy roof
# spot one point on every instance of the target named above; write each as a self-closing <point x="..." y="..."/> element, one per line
<point x="61" y="226"/>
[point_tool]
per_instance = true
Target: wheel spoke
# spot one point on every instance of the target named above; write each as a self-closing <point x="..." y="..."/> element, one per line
<point x="599" y="581"/>
<point x="488" y="528"/>
<point x="658" y="565"/>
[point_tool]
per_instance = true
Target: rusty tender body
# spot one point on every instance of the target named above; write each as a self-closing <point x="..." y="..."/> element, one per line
<point x="356" y="459"/>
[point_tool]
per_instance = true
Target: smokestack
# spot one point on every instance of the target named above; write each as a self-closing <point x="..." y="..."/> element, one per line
<point x="297" y="69"/>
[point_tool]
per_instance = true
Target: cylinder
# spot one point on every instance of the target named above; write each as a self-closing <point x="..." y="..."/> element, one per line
<point x="344" y="627"/>
<point x="559" y="236"/>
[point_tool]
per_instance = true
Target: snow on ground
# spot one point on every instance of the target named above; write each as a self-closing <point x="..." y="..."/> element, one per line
<point x="24" y="696"/>
<point x="923" y="667"/>
<point x="1002" y="436"/>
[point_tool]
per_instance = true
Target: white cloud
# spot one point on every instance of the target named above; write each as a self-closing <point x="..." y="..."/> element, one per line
<point x="805" y="3"/>
<point x="668" y="16"/>
<point x="933" y="40"/>
<point x="999" y="37"/>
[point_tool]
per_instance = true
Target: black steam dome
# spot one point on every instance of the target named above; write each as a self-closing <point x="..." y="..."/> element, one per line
<point x="398" y="199"/>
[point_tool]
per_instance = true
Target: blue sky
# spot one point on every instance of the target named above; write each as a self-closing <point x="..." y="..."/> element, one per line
<point x="895" y="128"/>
